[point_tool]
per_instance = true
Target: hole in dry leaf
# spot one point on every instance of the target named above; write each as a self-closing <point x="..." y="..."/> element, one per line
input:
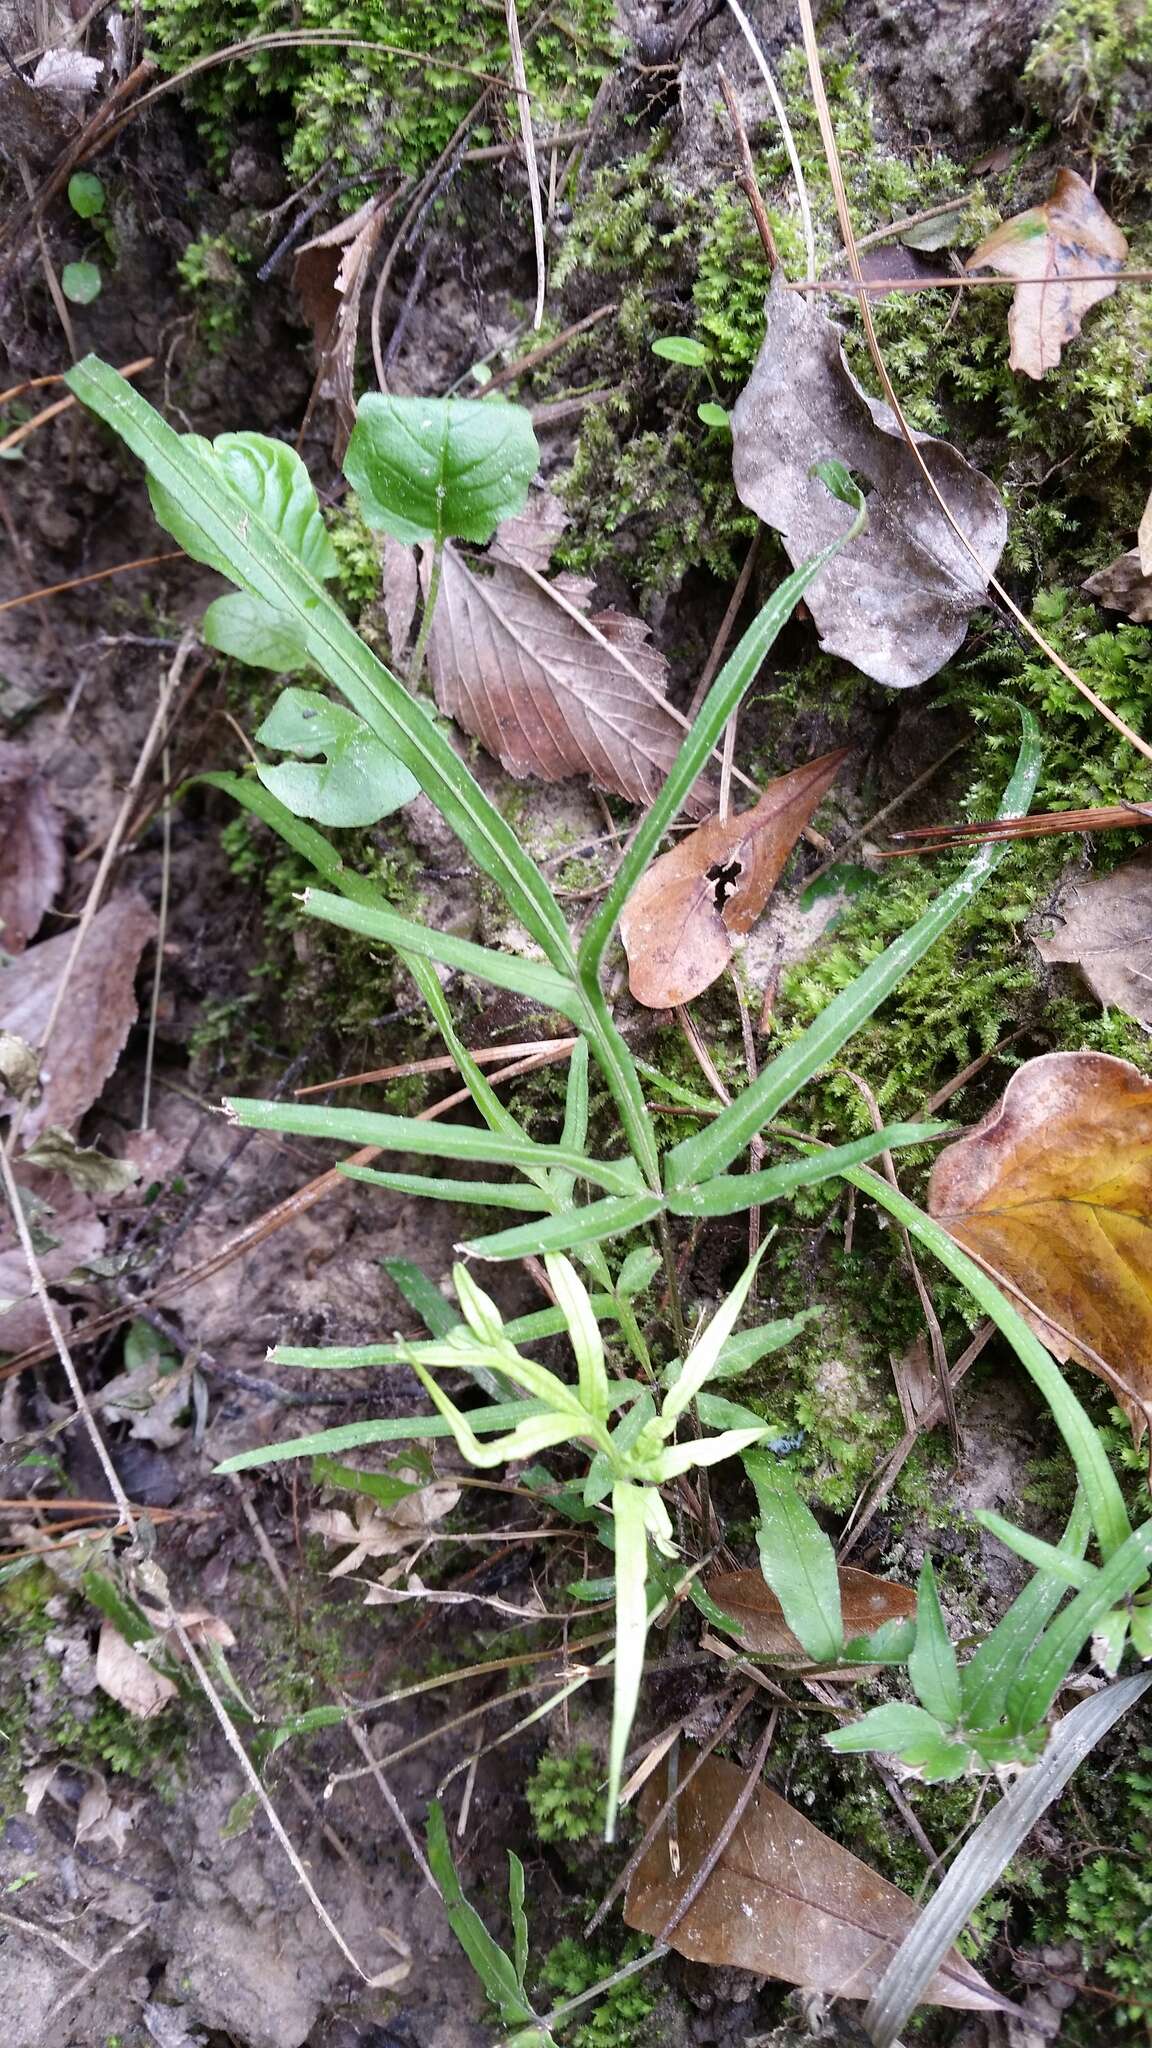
<point x="724" y="875"/>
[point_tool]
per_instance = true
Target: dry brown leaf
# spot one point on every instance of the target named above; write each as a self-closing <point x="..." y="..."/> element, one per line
<point x="1106" y="932"/>
<point x="98" y="1012"/>
<point x="329" y="274"/>
<point x="401" y="589"/>
<point x="151" y="1403"/>
<point x="541" y="693"/>
<point x="73" y="1235"/>
<point x="896" y="602"/>
<point x="784" y="1900"/>
<point x="866" y="1603"/>
<point x="679" y="921"/>
<point x="380" y="1532"/>
<point x="1054" y="1191"/>
<point x="1124" y="585"/>
<point x="99" y="1819"/>
<point x="31" y="849"/>
<point x="128" y="1678"/>
<point x="1069" y="234"/>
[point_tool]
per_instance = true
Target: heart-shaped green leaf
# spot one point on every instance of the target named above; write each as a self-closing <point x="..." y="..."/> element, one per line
<point x="357" y="782"/>
<point x="434" y="468"/>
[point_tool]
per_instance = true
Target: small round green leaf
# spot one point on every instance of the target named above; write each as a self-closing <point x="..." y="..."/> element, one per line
<point x="680" y="348"/>
<point x="440" y="468"/>
<point x="713" y="415"/>
<point x="252" y="631"/>
<point x="357" y="782"/>
<point x="85" y="194"/>
<point x="80" y="282"/>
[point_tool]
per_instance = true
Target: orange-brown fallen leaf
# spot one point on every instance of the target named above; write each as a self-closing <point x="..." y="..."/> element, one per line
<point x="1053" y="1191"/>
<point x="680" y="919"/>
<point x="1069" y="234"/>
<point x="866" y="1604"/>
<point x="784" y="1900"/>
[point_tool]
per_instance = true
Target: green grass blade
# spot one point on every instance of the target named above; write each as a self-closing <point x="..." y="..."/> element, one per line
<point x="736" y="676"/>
<point x="932" y="1668"/>
<point x="1102" y="1494"/>
<point x="985" y="1679"/>
<point x="1046" y="1557"/>
<point x="543" y="1322"/>
<point x="574" y="1230"/>
<point x="1036" y="1686"/>
<point x="497" y="1972"/>
<point x="475" y="1194"/>
<point x="412" y="1134"/>
<point x="530" y="978"/>
<point x="695" y="1160"/>
<point x="392" y="1429"/>
<point x="732" y="1191"/>
<point x="438" y="1315"/>
<point x="631" y="1532"/>
<point x="986" y="1855"/>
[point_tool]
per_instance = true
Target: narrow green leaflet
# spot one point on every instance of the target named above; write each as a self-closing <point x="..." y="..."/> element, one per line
<point x="797" y="1560"/>
<point x="741" y="1352"/>
<point x="543" y="1322"/>
<point x="410" y="1134"/>
<point x="497" y="1972"/>
<point x="729" y="1192"/>
<point x="695" y="1160"/>
<point x="989" y="1672"/>
<point x="1046" y="1557"/>
<point x="704" y="1355"/>
<point x="894" y="1729"/>
<point x="932" y="1666"/>
<point x="467" y="1194"/>
<point x="573" y="1230"/>
<point x="630" y="1523"/>
<point x="422" y="1295"/>
<point x="394" y="1429"/>
<point x="532" y="978"/>
<point x="357" y="782"/>
<point x="1035" y="1687"/>
<point x="440" y="468"/>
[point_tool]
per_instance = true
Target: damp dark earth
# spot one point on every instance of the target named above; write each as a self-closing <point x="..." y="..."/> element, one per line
<point x="575" y="991"/>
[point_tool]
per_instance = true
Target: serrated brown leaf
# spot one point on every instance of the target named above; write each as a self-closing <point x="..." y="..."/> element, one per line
<point x="1106" y="932"/>
<point x="896" y="602"/>
<point x="98" y="1012"/>
<point x="541" y="693"/>
<point x="1124" y="585"/>
<point x="680" y="919"/>
<point x="1069" y="234"/>
<point x="866" y="1604"/>
<point x="1054" y="1191"/>
<point x="784" y="1900"/>
<point x="31" y="849"/>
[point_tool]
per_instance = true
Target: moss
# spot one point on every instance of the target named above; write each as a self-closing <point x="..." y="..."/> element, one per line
<point x="373" y="110"/>
<point x="211" y="271"/>
<point x="618" y="2019"/>
<point x="1090" y="69"/>
<point x="358" y="575"/>
<point x="565" y="1796"/>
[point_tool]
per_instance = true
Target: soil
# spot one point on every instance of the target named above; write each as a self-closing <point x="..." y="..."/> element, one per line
<point x="193" y="1928"/>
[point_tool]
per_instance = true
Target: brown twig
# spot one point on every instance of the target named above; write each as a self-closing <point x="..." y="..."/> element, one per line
<point x="541" y="354"/>
<point x="747" y="179"/>
<point x="10" y="604"/>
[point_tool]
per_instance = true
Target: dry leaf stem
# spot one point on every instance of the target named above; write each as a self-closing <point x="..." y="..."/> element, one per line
<point x="844" y="214"/>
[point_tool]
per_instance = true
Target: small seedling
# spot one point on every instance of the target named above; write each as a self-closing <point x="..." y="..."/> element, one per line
<point x="81" y="283"/>
<point x="695" y="355"/>
<point x="86" y="194"/>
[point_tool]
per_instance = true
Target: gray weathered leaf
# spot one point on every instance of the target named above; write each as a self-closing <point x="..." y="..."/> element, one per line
<point x="1106" y="932"/>
<point x="1124" y="586"/>
<point x="96" y="1017"/>
<point x="544" y="695"/>
<point x="31" y="849"/>
<point x="897" y="602"/>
